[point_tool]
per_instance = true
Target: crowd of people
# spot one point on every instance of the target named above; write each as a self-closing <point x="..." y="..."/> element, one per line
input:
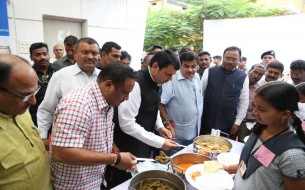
<point x="81" y="121"/>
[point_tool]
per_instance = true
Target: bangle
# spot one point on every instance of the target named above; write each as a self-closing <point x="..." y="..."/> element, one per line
<point x="117" y="159"/>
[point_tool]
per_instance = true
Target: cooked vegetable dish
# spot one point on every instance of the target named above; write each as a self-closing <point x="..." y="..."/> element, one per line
<point x="154" y="184"/>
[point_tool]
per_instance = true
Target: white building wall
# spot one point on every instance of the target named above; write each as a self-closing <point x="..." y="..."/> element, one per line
<point x="121" y="21"/>
<point x="283" y="34"/>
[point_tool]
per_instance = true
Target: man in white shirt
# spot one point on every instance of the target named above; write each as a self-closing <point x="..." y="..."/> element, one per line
<point x="67" y="79"/>
<point x="137" y="118"/>
<point x="226" y="95"/>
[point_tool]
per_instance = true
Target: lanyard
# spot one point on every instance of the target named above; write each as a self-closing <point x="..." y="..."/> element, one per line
<point x="278" y="134"/>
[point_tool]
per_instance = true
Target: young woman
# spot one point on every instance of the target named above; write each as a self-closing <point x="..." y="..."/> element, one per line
<point x="274" y="155"/>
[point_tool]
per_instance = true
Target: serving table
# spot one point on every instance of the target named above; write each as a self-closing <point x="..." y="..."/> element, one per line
<point x="236" y="148"/>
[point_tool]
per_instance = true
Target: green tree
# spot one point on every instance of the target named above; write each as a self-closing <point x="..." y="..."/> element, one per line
<point x="178" y="28"/>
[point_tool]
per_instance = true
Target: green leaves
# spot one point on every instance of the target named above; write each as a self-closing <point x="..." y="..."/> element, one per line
<point x="178" y="28"/>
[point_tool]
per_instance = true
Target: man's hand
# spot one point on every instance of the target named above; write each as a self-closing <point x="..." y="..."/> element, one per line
<point x="128" y="161"/>
<point x="46" y="143"/>
<point x="169" y="144"/>
<point x="165" y="133"/>
<point x="234" y="129"/>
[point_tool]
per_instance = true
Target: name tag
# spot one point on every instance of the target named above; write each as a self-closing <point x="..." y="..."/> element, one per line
<point x="242" y="168"/>
<point x="264" y="155"/>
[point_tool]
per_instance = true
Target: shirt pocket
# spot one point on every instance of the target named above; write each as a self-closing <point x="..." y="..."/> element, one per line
<point x="12" y="167"/>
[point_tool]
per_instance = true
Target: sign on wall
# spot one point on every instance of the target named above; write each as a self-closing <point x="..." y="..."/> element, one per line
<point x="4" y="31"/>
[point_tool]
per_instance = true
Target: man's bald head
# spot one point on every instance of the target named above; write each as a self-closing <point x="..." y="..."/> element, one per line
<point x="7" y="62"/>
<point x="17" y="80"/>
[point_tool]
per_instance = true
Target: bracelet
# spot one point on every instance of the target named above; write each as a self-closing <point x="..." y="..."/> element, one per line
<point x="166" y="122"/>
<point x="117" y="159"/>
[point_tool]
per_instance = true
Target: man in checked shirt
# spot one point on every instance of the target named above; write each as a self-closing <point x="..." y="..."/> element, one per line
<point x="82" y="135"/>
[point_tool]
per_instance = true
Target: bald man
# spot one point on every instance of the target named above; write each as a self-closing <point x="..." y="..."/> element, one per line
<point x="23" y="160"/>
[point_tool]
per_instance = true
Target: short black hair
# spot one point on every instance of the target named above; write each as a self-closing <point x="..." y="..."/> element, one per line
<point x="233" y="48"/>
<point x="87" y="40"/>
<point x="173" y="49"/>
<point x="107" y="47"/>
<point x="165" y="58"/>
<point x="188" y="56"/>
<point x="258" y="65"/>
<point x="156" y="46"/>
<point x="297" y="64"/>
<point x="37" y="46"/>
<point x="276" y="65"/>
<point x="204" y="53"/>
<point x="124" y="55"/>
<point x="116" y="72"/>
<point x="70" y="40"/>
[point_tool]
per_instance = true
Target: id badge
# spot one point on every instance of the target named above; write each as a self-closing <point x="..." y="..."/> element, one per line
<point x="242" y="168"/>
<point x="264" y="155"/>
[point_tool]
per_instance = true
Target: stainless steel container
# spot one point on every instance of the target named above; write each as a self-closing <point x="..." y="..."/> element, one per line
<point x="164" y="176"/>
<point x="193" y="158"/>
<point x="211" y="139"/>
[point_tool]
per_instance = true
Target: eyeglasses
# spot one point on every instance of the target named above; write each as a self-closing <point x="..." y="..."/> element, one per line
<point x="228" y="59"/>
<point x="296" y="75"/>
<point x="24" y="98"/>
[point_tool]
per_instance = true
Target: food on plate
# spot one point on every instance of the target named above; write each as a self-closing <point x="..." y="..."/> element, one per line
<point x="162" y="158"/>
<point x="208" y="148"/>
<point x="195" y="174"/>
<point x="212" y="166"/>
<point x="182" y="167"/>
<point x="154" y="184"/>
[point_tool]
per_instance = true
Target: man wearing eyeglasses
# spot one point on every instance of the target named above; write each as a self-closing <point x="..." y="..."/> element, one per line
<point x="109" y="53"/>
<point x="226" y="95"/>
<point x="297" y="71"/>
<point x="39" y="54"/>
<point x="23" y="161"/>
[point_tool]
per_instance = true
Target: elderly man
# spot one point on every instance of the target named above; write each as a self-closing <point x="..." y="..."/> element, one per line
<point x="109" y="53"/>
<point x="297" y="71"/>
<point x="82" y="134"/>
<point x="226" y="95"/>
<point x="255" y="74"/>
<point x="24" y="162"/>
<point x="58" y="51"/>
<point x="182" y="102"/>
<point x="67" y="79"/>
<point x="39" y="54"/>
<point x="69" y="58"/>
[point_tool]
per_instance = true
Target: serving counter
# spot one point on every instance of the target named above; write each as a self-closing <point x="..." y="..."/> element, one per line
<point x="236" y="148"/>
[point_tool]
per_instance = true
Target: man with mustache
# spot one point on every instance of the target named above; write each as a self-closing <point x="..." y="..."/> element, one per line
<point x="226" y="95"/>
<point x="39" y="54"/>
<point x="182" y="102"/>
<point x="297" y="71"/>
<point x="24" y="162"/>
<point x="204" y="62"/>
<point x="255" y="74"/>
<point x="82" y="135"/>
<point x="69" y="58"/>
<point x="273" y="72"/>
<point x="67" y="79"/>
